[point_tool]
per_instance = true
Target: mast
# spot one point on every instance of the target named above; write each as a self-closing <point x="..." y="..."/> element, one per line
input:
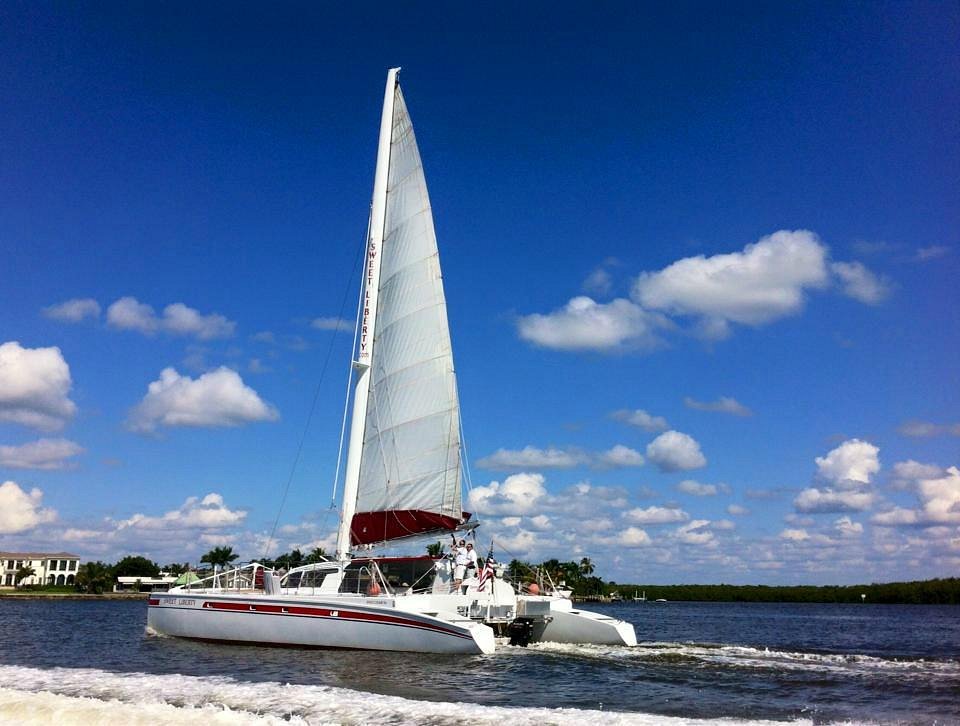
<point x="368" y="318"/>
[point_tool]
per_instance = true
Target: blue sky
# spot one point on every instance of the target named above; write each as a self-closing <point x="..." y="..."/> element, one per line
<point x="701" y="274"/>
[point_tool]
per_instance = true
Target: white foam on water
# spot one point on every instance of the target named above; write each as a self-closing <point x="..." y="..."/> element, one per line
<point x="88" y="697"/>
<point x="746" y="657"/>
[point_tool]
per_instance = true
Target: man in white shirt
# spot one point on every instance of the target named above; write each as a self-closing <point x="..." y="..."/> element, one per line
<point x="463" y="557"/>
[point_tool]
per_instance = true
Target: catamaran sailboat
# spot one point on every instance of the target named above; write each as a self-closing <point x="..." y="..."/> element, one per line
<point x="402" y="477"/>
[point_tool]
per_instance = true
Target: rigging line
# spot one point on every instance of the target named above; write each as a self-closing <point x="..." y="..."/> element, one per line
<point x="313" y="406"/>
<point x="346" y="398"/>
<point x="464" y="459"/>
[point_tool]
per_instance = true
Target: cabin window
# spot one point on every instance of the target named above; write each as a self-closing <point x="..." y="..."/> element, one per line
<point x="401" y="575"/>
<point x="356" y="579"/>
<point x="313" y="578"/>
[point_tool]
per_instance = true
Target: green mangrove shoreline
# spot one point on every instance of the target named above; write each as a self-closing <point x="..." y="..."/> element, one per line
<point x="923" y="592"/>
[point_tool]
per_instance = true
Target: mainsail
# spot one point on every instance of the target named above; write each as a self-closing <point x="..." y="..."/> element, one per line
<point x="409" y="473"/>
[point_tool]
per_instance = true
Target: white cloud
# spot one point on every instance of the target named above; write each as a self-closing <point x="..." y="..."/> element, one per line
<point x="541" y="521"/>
<point x="41" y="454"/>
<point x="847" y="469"/>
<point x="656" y="515"/>
<point x="598" y="282"/>
<point x="598" y="524"/>
<point x="814" y="501"/>
<point x="20" y="511"/>
<point x="641" y="419"/>
<point x="531" y="457"/>
<point x="849" y="465"/>
<point x="724" y="404"/>
<point x="518" y="494"/>
<point x="689" y="486"/>
<point x="795" y="535"/>
<point x="907" y="473"/>
<point x="34" y="387"/>
<point x="764" y="282"/>
<point x="736" y="510"/>
<point x="847" y="528"/>
<point x="217" y="398"/>
<point x="619" y="456"/>
<point x="925" y="429"/>
<point x="675" y="451"/>
<point x="584" y="324"/>
<point x="331" y="324"/>
<point x="81" y="535"/>
<point x="695" y="532"/>
<point x="182" y="320"/>
<point x="861" y="284"/>
<point x="195" y="513"/>
<point x="633" y="537"/>
<point x="939" y="503"/>
<point x="73" y="311"/>
<point x="511" y="521"/>
<point x="520" y="544"/>
<point x="257" y="366"/>
<point x="128" y="313"/>
<point x="931" y="253"/>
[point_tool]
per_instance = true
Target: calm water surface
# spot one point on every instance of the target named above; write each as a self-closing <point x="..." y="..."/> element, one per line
<point x="695" y="661"/>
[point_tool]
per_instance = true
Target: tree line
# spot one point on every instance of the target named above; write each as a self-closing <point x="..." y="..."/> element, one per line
<point x="945" y="591"/>
<point x="579" y="577"/>
<point x="98" y="577"/>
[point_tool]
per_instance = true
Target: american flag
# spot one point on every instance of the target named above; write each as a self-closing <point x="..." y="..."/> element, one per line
<point x="486" y="571"/>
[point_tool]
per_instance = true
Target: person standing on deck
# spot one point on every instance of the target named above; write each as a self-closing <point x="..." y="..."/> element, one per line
<point x="460" y="561"/>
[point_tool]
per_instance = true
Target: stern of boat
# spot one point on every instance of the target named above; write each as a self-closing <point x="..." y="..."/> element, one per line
<point x="563" y="623"/>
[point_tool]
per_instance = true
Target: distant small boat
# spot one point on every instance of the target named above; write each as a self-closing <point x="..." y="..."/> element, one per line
<point x="661" y="599"/>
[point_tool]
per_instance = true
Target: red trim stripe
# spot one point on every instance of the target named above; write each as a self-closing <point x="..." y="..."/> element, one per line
<point x="313" y="612"/>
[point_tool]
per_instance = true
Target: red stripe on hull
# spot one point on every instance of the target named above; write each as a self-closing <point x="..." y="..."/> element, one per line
<point x="313" y="612"/>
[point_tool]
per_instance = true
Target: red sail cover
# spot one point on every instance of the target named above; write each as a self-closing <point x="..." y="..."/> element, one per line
<point x="371" y="527"/>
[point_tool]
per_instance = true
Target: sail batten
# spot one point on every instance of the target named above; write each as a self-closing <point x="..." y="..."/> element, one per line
<point x="409" y="478"/>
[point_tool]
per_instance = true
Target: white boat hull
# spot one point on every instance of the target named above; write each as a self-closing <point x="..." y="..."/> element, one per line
<point x="314" y="622"/>
<point x="567" y="624"/>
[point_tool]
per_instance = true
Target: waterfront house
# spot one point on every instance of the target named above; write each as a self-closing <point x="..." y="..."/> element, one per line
<point x="163" y="582"/>
<point x="49" y="568"/>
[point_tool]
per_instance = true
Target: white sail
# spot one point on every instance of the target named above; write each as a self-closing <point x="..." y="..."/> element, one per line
<point x="410" y="458"/>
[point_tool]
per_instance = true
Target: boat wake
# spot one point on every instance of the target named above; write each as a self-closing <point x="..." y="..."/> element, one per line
<point x="90" y="696"/>
<point x="738" y="656"/>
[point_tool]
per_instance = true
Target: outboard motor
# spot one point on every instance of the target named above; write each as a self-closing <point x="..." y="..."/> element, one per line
<point x="520" y="632"/>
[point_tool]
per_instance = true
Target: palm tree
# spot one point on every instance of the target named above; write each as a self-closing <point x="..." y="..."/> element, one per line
<point x="435" y="549"/>
<point x="317" y="554"/>
<point x="296" y="558"/>
<point x="586" y="567"/>
<point x="94" y="577"/>
<point x="22" y="574"/>
<point x="220" y="557"/>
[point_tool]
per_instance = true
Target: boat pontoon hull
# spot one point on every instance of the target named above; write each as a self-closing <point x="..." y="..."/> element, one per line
<point x="313" y="622"/>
